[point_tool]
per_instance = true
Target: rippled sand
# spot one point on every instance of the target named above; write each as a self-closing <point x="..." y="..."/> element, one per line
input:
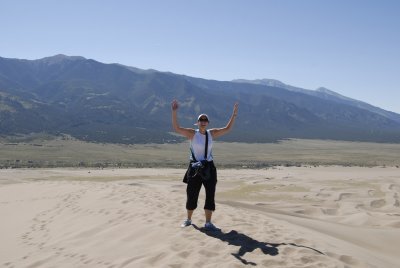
<point x="277" y="217"/>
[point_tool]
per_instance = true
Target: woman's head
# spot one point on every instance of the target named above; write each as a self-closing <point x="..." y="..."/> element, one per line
<point x="202" y="117"/>
<point x="202" y="120"/>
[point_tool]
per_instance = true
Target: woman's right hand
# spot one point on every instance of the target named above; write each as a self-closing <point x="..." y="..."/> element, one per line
<point x="174" y="105"/>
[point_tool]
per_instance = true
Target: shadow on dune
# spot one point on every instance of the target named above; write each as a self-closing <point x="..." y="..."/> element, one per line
<point x="247" y="244"/>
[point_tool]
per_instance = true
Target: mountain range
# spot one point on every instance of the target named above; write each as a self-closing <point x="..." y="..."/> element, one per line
<point x="93" y="101"/>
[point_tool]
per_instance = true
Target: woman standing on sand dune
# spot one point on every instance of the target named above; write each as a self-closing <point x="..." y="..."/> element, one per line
<point x="201" y="169"/>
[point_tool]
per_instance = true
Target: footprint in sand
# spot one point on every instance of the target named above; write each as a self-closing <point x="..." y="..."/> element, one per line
<point x="371" y="193"/>
<point x="344" y="195"/>
<point x="378" y="203"/>
<point x="330" y="211"/>
<point x="349" y="260"/>
<point x="394" y="187"/>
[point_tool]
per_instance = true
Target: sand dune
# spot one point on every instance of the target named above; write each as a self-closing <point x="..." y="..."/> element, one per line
<point x="281" y="217"/>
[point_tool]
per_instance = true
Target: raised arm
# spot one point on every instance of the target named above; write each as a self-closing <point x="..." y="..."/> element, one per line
<point x="187" y="132"/>
<point x="217" y="132"/>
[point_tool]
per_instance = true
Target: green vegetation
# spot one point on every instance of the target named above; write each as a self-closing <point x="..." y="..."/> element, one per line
<point x="38" y="152"/>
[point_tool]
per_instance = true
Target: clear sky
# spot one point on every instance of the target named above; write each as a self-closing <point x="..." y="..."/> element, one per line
<point x="349" y="46"/>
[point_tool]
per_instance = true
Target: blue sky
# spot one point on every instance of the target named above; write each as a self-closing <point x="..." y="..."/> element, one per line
<point x="348" y="46"/>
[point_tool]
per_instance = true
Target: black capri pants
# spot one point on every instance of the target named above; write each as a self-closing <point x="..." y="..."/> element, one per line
<point x="193" y="189"/>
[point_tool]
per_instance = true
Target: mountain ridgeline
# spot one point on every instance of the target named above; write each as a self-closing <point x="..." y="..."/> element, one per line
<point x="114" y="103"/>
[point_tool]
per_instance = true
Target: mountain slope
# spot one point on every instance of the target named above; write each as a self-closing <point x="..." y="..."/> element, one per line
<point x="115" y="103"/>
<point x="324" y="93"/>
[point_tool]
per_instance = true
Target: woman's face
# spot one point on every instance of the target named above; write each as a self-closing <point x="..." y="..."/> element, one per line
<point x="203" y="122"/>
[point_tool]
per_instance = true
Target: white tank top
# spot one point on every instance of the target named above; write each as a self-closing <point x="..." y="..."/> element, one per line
<point x="198" y="144"/>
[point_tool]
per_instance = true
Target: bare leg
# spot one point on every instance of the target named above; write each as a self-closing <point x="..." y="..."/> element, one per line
<point x="208" y="214"/>
<point x="189" y="214"/>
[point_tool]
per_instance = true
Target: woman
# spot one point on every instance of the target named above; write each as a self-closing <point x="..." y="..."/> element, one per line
<point x="197" y="139"/>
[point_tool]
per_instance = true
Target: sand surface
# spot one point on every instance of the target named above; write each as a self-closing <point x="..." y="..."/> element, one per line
<point x="277" y="217"/>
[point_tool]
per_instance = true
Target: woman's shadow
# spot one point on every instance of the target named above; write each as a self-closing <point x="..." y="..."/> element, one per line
<point x="246" y="244"/>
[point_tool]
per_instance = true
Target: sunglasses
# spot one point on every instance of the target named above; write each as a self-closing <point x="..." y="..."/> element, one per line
<point x="203" y="120"/>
